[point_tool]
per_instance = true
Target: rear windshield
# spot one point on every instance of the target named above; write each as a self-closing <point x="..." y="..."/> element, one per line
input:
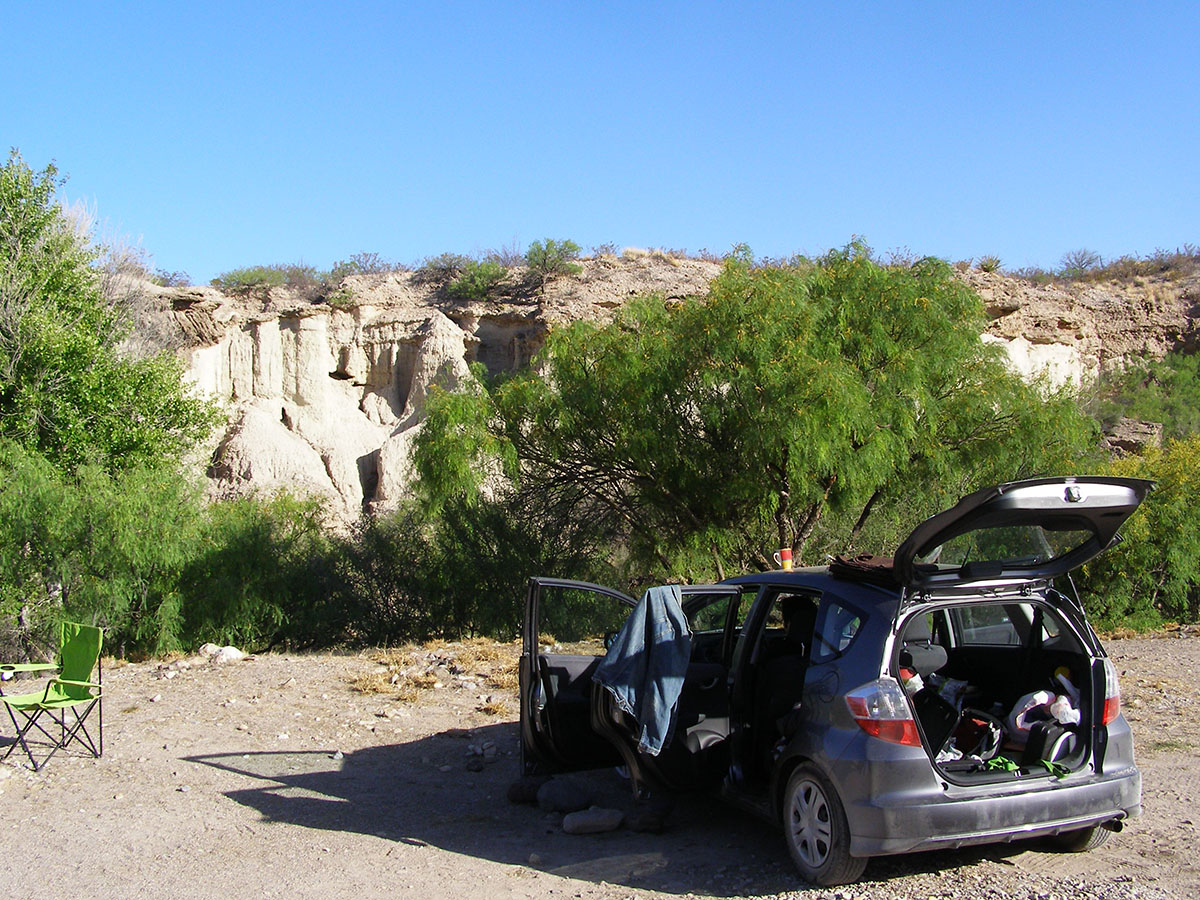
<point x="1014" y="545"/>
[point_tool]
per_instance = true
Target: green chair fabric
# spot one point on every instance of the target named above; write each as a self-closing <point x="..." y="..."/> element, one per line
<point x="72" y="689"/>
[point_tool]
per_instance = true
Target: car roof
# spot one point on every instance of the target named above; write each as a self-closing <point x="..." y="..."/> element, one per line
<point x="818" y="578"/>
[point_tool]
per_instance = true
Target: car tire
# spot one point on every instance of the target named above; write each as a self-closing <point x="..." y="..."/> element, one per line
<point x="1080" y="840"/>
<point x="814" y="825"/>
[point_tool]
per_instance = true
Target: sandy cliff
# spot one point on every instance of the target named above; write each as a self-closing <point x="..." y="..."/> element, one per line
<point x="327" y="401"/>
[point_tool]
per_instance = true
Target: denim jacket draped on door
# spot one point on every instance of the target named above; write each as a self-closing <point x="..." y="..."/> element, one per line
<point x="645" y="666"/>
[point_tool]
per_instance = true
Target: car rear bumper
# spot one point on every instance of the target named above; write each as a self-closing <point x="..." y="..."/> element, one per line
<point x="901" y="823"/>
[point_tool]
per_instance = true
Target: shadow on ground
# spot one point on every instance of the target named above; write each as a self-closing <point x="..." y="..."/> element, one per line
<point x="399" y="792"/>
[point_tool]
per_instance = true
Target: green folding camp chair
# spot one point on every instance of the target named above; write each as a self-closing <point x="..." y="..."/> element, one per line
<point x="72" y="689"/>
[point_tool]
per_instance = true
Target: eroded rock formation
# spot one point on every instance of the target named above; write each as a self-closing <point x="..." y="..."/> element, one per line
<point x="328" y="401"/>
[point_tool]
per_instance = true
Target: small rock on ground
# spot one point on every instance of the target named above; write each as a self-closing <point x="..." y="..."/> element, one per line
<point x="592" y="820"/>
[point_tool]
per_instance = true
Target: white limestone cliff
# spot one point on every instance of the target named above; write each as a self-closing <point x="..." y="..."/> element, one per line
<point x="329" y="401"/>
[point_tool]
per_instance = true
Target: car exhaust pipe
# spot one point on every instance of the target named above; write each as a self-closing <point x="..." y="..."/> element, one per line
<point x="1116" y="826"/>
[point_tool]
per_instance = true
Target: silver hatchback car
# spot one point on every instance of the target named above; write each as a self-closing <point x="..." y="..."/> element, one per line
<point x="947" y="696"/>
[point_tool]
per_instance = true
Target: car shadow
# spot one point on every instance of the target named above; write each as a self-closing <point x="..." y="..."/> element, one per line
<point x="423" y="793"/>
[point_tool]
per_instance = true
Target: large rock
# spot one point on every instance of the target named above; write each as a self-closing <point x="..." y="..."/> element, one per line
<point x="563" y="795"/>
<point x="1132" y="436"/>
<point x="259" y="452"/>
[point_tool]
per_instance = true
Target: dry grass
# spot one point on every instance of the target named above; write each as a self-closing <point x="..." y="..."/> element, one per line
<point x="505" y="679"/>
<point x="407" y="672"/>
<point x="394" y="659"/>
<point x="1118" y="634"/>
<point x="494" y="707"/>
<point x="372" y="683"/>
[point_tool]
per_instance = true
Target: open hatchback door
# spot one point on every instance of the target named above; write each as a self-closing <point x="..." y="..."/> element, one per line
<point x="1025" y="531"/>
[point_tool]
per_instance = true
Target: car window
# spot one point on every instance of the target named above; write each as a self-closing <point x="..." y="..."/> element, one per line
<point x="1018" y="545"/>
<point x="578" y="617"/>
<point x="837" y="626"/>
<point x="745" y="601"/>
<point x="711" y="616"/>
<point x="990" y="624"/>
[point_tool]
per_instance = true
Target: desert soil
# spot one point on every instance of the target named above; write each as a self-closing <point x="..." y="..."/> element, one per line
<point x="277" y="776"/>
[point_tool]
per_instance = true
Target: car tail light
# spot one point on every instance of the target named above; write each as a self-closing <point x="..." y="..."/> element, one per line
<point x="881" y="710"/>
<point x="1112" y="693"/>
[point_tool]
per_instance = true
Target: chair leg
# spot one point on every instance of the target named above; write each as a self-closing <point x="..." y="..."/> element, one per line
<point x="31" y="721"/>
<point x="76" y="732"/>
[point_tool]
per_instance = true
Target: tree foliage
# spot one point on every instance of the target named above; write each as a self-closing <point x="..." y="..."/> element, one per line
<point x="781" y="410"/>
<point x="65" y="389"/>
<point x="1166" y="391"/>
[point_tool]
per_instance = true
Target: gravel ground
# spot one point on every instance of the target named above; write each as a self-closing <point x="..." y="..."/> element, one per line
<point x="276" y="776"/>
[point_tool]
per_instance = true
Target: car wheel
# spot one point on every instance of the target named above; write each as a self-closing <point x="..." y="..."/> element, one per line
<point x="814" y="825"/>
<point x="1081" y="839"/>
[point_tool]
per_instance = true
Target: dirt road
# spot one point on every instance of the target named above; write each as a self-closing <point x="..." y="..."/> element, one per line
<point x="275" y="777"/>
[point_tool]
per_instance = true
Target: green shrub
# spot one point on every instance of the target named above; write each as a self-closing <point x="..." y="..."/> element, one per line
<point x="241" y="281"/>
<point x="477" y="280"/>
<point x="261" y="575"/>
<point x="1154" y="574"/>
<point x="67" y="391"/>
<point x="551" y="259"/>
<point x="96" y="547"/>
<point x="989" y="264"/>
<point x="406" y="576"/>
<point x="341" y="298"/>
<point x="1165" y="391"/>
<point x="299" y="277"/>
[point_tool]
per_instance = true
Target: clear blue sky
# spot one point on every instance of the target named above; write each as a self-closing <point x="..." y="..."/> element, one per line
<point x="231" y="134"/>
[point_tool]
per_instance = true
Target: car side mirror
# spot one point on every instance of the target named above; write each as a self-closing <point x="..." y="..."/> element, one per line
<point x="610" y="638"/>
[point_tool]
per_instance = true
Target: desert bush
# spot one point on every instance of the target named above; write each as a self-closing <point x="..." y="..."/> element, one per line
<point x="551" y="259"/>
<point x="340" y="298"/>
<point x="1033" y="274"/>
<point x="440" y="270"/>
<point x="261" y="574"/>
<point x="477" y="280"/>
<point x="1165" y="391"/>
<point x="97" y="547"/>
<point x="244" y="280"/>
<point x="163" y="278"/>
<point x="1076" y="263"/>
<point x="304" y="279"/>
<point x="507" y="255"/>
<point x="989" y="264"/>
<point x="360" y="264"/>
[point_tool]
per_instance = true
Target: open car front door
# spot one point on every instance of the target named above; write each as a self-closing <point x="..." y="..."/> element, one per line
<point x="563" y="643"/>
<point x="566" y="722"/>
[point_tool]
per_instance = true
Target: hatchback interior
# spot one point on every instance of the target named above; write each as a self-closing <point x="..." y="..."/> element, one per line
<point x="999" y="690"/>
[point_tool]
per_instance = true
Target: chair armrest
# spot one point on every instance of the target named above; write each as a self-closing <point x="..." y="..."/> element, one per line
<point x="66" y="681"/>
<point x="27" y="667"/>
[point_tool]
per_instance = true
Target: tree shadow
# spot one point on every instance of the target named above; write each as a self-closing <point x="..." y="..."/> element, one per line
<point x="422" y="793"/>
